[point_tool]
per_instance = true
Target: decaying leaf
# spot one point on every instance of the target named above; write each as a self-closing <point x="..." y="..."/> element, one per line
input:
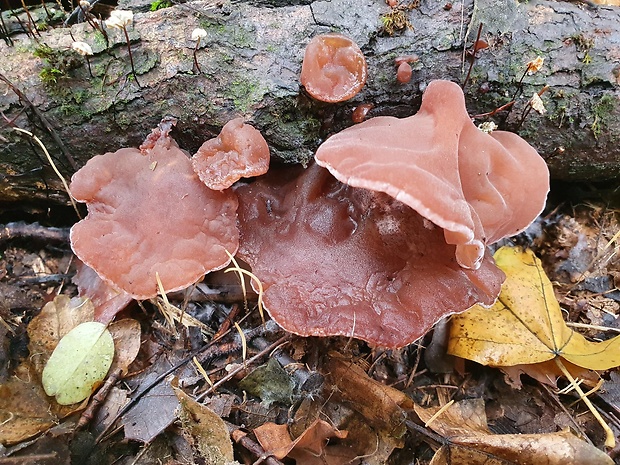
<point x="206" y="431"/>
<point x="55" y="320"/>
<point x="469" y="441"/>
<point x="79" y="363"/>
<point x="525" y="325"/>
<point x="270" y="382"/>
<point x="126" y="336"/>
<point x="310" y="448"/>
<point x="24" y="410"/>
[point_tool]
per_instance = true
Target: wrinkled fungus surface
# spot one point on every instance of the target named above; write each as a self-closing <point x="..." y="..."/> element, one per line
<point x="337" y="260"/>
<point x="334" y="68"/>
<point x="238" y="151"/>
<point x="478" y="187"/>
<point x="149" y="213"/>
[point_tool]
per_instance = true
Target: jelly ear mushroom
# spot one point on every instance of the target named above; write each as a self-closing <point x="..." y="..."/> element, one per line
<point x="334" y="68"/>
<point x="336" y="260"/>
<point x="478" y="187"/>
<point x="238" y="151"/>
<point x="149" y="215"/>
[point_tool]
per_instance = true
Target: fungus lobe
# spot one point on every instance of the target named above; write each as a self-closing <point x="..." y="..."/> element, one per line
<point x="337" y="260"/>
<point x="238" y="151"/>
<point x="478" y="187"/>
<point x="333" y="69"/>
<point x="149" y="213"/>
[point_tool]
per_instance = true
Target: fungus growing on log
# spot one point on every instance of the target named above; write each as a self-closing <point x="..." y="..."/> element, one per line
<point x="334" y="68"/>
<point x="337" y="260"/>
<point x="478" y="187"/>
<point x="238" y="151"/>
<point x="148" y="214"/>
<point x="404" y="72"/>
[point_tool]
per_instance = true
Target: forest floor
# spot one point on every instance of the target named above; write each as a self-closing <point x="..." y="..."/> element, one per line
<point x="314" y="400"/>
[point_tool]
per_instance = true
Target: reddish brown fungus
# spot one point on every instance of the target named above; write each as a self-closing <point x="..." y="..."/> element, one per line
<point x="149" y="213"/>
<point x="108" y="300"/>
<point x="334" y="68"/>
<point x="360" y="112"/>
<point x="337" y="260"/>
<point x="238" y="151"/>
<point x="403" y="73"/>
<point x="478" y="187"/>
<point x="406" y="59"/>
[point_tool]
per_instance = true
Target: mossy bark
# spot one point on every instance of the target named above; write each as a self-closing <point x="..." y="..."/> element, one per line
<point x="249" y="66"/>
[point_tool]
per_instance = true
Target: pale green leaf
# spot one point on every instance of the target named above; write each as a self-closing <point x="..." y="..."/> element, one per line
<point x="79" y="363"/>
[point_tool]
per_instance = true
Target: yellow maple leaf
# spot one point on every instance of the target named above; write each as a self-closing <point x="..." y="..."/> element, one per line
<point x="525" y="325"/>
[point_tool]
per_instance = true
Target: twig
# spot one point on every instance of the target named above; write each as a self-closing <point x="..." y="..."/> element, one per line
<point x="34" y="231"/>
<point x="232" y="373"/>
<point x="44" y="121"/>
<point x="471" y="64"/>
<point x="610" y="440"/>
<point x="252" y="446"/>
<point x="98" y="399"/>
<point x="51" y="162"/>
<point x="210" y="351"/>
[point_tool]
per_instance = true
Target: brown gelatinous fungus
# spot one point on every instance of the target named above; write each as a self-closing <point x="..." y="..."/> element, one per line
<point x="336" y="260"/>
<point x="478" y="187"/>
<point x="404" y="72"/>
<point x="239" y="151"/>
<point x="108" y="300"/>
<point x="334" y="68"/>
<point x="149" y="213"/>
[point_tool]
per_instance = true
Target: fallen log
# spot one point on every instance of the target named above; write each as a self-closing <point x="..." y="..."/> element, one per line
<point x="249" y="62"/>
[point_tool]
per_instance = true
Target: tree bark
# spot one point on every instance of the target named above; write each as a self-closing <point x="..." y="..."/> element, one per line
<point x="249" y="66"/>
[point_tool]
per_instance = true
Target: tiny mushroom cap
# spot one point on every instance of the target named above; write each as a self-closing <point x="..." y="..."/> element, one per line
<point x="149" y="215"/>
<point x="238" y="151"/>
<point x="119" y="19"/>
<point x="82" y="48"/>
<point x="334" y="68"/>
<point x="478" y="187"/>
<point x="198" y="34"/>
<point x="337" y="260"/>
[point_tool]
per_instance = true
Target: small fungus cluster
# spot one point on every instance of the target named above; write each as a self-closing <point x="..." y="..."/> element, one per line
<point x="379" y="239"/>
<point x="150" y="217"/>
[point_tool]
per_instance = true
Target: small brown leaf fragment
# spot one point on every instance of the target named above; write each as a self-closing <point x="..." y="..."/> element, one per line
<point x="463" y="424"/>
<point x="310" y="448"/>
<point x="126" y="335"/>
<point x="208" y="432"/>
<point x="56" y="319"/>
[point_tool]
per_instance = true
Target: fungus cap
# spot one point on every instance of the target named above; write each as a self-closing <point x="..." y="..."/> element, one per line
<point x="337" y="260"/>
<point x="334" y="68"/>
<point x="478" y="187"/>
<point x="238" y="151"/>
<point x="149" y="213"/>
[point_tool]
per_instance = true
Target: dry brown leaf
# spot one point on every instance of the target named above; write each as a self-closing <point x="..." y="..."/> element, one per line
<point x="126" y="335"/>
<point x="24" y="408"/>
<point x="207" y="432"/>
<point x="383" y="406"/>
<point x="56" y="319"/>
<point x="310" y="448"/>
<point x="469" y="441"/>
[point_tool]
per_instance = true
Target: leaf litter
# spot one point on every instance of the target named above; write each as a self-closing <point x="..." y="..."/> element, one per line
<point x="362" y="413"/>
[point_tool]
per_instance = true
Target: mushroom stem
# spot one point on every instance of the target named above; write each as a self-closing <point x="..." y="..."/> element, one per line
<point x="133" y="69"/>
<point x="196" y="59"/>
